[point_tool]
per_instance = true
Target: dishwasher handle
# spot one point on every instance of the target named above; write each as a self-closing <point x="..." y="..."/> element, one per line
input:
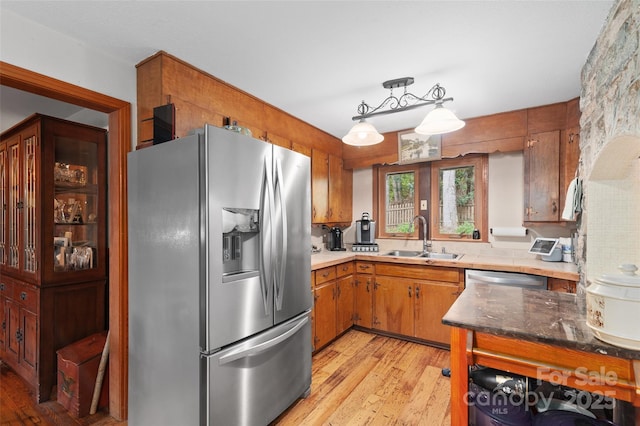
<point x="489" y="278"/>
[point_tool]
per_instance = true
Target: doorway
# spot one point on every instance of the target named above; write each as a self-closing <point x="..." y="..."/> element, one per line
<point x="119" y="144"/>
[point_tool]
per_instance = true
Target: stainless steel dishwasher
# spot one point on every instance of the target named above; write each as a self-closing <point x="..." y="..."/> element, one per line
<point x="513" y="279"/>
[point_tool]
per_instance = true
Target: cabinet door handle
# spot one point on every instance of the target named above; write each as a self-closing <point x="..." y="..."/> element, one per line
<point x="1" y="286"/>
<point x="338" y="290"/>
<point x="19" y="335"/>
<point x="409" y="291"/>
<point x="23" y="295"/>
<point x="554" y="207"/>
<point x="4" y="325"/>
<point x="417" y="292"/>
<point x="367" y="286"/>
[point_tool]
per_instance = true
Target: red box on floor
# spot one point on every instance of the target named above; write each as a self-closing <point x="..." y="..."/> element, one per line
<point x="78" y="366"/>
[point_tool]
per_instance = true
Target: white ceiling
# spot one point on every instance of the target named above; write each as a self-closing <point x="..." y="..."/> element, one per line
<point x="318" y="60"/>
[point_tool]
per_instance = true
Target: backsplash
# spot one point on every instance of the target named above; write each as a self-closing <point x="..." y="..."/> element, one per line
<point x="609" y="229"/>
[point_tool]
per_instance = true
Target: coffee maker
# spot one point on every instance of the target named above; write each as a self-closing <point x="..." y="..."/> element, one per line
<point x="365" y="234"/>
<point x="334" y="239"/>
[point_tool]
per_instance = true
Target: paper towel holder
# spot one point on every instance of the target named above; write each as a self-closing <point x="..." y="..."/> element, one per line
<point x="526" y="231"/>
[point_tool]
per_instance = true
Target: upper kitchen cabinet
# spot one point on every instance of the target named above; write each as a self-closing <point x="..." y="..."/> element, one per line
<point x="331" y="187"/>
<point x="550" y="160"/>
<point x="52" y="242"/>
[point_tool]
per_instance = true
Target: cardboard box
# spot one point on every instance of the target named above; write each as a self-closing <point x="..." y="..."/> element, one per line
<point x="78" y="366"/>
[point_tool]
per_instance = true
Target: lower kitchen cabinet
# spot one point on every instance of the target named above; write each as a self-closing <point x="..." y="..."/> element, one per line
<point x="333" y="310"/>
<point x="363" y="303"/>
<point x="433" y="300"/>
<point x="411" y="300"/>
<point x="324" y="297"/>
<point x="345" y="295"/>
<point x="393" y="305"/>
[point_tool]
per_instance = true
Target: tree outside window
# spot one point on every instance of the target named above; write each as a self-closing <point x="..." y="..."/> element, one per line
<point x="458" y="190"/>
<point x="397" y="200"/>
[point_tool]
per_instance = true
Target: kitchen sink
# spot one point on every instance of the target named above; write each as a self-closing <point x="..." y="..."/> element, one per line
<point x="403" y="253"/>
<point x="430" y="255"/>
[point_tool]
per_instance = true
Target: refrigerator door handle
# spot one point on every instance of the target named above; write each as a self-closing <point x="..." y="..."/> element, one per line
<point x="266" y="248"/>
<point x="262" y="347"/>
<point x="280" y="234"/>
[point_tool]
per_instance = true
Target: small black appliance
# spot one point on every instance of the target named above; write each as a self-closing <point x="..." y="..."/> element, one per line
<point x="334" y="239"/>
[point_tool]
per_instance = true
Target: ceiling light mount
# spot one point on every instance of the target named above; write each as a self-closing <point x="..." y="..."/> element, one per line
<point x="438" y="121"/>
<point x="406" y="101"/>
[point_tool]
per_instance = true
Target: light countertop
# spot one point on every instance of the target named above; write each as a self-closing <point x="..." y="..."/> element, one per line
<point x="562" y="270"/>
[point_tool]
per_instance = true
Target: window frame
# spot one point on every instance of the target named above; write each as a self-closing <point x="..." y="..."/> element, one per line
<point x="380" y="172"/>
<point x="480" y="162"/>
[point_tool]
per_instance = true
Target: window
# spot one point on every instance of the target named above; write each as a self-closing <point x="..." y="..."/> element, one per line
<point x="398" y="200"/>
<point x="456" y="186"/>
<point x="458" y="197"/>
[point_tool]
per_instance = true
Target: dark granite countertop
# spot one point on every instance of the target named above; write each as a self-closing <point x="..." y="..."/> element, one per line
<point x="534" y="315"/>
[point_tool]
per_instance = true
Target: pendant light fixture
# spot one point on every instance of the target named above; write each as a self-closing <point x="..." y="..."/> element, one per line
<point x="439" y="120"/>
<point x="362" y="134"/>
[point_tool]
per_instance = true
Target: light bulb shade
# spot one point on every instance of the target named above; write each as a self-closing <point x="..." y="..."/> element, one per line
<point x="362" y="134"/>
<point x="439" y="120"/>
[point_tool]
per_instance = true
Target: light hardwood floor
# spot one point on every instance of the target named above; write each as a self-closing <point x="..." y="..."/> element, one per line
<point x="367" y="379"/>
<point x="360" y="379"/>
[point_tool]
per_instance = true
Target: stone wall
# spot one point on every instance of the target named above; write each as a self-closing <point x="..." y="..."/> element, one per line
<point x="609" y="233"/>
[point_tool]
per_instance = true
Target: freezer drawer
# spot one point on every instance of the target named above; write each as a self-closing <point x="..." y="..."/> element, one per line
<point x="253" y="382"/>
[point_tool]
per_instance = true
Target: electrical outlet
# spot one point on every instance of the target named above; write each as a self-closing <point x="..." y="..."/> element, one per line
<point x="423" y="204"/>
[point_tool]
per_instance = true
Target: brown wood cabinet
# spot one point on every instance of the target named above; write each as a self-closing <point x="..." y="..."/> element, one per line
<point x="53" y="261"/>
<point x="393" y="300"/>
<point x="345" y="297"/>
<point x="433" y="300"/>
<point x="542" y="177"/>
<point x="363" y="305"/>
<point x="331" y="187"/>
<point x="411" y="300"/>
<point x="551" y="156"/>
<point x="324" y="307"/>
<point x="334" y="294"/>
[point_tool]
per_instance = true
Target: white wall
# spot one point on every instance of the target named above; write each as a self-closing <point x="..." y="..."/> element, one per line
<point x="29" y="45"/>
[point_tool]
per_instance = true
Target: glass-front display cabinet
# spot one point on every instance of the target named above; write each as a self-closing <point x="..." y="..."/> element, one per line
<point x="54" y="215"/>
<point x="53" y="251"/>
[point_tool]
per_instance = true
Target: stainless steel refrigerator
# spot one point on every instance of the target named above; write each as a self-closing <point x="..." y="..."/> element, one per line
<point x="219" y="280"/>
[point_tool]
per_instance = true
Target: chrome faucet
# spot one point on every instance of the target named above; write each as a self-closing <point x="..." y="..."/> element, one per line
<point x="426" y="245"/>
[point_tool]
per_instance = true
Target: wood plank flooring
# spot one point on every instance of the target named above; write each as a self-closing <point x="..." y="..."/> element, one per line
<point x="367" y="379"/>
<point x="17" y="406"/>
<point x="360" y="379"/>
